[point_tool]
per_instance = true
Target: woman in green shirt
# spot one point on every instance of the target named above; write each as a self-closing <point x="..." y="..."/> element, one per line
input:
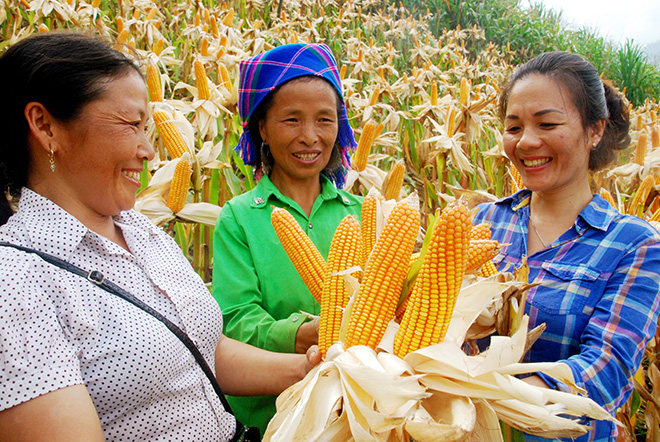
<point x="296" y="136"/>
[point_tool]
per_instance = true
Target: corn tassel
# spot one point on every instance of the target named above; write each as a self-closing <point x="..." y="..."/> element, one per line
<point x="480" y="231"/>
<point x="432" y="301"/>
<point x="480" y="252"/>
<point x="153" y="84"/>
<point x="488" y="269"/>
<point x="344" y="253"/>
<point x="395" y="181"/>
<point x="364" y="146"/>
<point x="169" y="133"/>
<point x="201" y="81"/>
<point x="607" y="196"/>
<point x="176" y="198"/>
<point x="636" y="206"/>
<point x="301" y="251"/>
<point x="642" y="147"/>
<point x="382" y="282"/>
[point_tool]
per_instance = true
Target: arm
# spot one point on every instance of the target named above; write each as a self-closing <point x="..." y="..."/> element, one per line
<point x="66" y="415"/>
<point x="237" y="288"/>
<point x="623" y="321"/>
<point x="241" y="367"/>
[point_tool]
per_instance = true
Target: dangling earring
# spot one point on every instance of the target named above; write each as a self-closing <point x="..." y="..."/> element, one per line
<point x="266" y="164"/>
<point x="51" y="159"/>
<point x="593" y="147"/>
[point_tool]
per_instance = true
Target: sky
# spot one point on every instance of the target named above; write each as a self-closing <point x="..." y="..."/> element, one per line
<point x="616" y="20"/>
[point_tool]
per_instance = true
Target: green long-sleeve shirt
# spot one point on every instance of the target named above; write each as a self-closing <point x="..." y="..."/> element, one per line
<point x="254" y="281"/>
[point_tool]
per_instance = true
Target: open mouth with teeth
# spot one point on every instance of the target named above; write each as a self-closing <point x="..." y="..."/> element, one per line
<point x="306" y="156"/>
<point x="536" y="162"/>
<point x="132" y="174"/>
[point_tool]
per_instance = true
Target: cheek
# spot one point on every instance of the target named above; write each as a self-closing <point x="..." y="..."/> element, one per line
<point x="509" y="143"/>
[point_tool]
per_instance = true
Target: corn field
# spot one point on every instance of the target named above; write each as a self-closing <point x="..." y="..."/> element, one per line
<point x="425" y="100"/>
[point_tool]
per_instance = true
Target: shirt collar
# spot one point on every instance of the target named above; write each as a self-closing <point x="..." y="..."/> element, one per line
<point x="54" y="230"/>
<point x="598" y="214"/>
<point x="266" y="189"/>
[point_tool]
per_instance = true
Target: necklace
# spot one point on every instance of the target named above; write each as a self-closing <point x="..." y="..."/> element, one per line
<point x="538" y="235"/>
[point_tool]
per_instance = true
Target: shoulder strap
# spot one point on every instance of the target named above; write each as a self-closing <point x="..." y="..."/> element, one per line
<point x="97" y="278"/>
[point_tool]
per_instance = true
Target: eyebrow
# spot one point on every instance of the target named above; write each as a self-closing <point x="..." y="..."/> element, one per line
<point x="537" y="114"/>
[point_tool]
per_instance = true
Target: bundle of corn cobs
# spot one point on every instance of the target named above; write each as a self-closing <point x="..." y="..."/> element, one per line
<point x="394" y="327"/>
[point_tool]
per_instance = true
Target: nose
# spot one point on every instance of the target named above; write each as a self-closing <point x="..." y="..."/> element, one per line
<point x="529" y="139"/>
<point x="307" y="133"/>
<point x="145" y="149"/>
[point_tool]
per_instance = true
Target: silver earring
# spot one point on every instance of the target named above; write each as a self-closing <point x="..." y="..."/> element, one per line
<point x="266" y="164"/>
<point x="51" y="160"/>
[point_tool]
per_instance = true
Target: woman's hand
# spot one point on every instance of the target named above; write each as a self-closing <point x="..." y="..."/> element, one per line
<point x="307" y="335"/>
<point x="240" y="368"/>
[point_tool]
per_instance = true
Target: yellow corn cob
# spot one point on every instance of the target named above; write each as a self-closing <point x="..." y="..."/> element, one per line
<point x="43" y="28"/>
<point x="122" y="37"/>
<point x="120" y="24"/>
<point x="383" y="278"/>
<point x="153" y="84"/>
<point x="157" y="48"/>
<point x="229" y="18"/>
<point x="432" y="301"/>
<point x="464" y="91"/>
<point x="342" y="72"/>
<point x="364" y="146"/>
<point x="226" y="80"/>
<point x="655" y="137"/>
<point x="655" y="216"/>
<point x="374" y="97"/>
<point x="197" y="20"/>
<point x="636" y="206"/>
<point x="451" y="120"/>
<point x="214" y="26"/>
<point x="488" y="269"/>
<point x="607" y="196"/>
<point x="434" y="93"/>
<point x="521" y="273"/>
<point x="642" y="147"/>
<point x="301" y="250"/>
<point x="96" y="4"/>
<point x="480" y="252"/>
<point x="517" y="179"/>
<point x="176" y="199"/>
<point x="395" y="181"/>
<point x="170" y="134"/>
<point x="480" y="231"/>
<point x="201" y="81"/>
<point x="152" y="14"/>
<point x="344" y="253"/>
<point x="204" y="47"/>
<point x="368" y="224"/>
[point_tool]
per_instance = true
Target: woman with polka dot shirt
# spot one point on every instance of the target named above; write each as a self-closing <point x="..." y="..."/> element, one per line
<point x="78" y="363"/>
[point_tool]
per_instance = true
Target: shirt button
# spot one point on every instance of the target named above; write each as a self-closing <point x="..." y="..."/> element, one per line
<point x="294" y="319"/>
<point x="310" y="225"/>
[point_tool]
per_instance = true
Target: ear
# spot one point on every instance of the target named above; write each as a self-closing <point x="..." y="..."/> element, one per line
<point x="42" y="125"/>
<point x="596" y="132"/>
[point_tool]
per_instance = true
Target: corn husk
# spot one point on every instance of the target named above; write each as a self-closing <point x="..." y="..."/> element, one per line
<point x="438" y="393"/>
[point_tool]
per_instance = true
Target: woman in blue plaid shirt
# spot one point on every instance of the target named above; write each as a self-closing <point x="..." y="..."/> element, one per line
<point x="596" y="269"/>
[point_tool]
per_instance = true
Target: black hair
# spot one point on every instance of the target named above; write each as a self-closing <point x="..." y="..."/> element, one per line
<point x="264" y="158"/>
<point x="64" y="71"/>
<point x="594" y="99"/>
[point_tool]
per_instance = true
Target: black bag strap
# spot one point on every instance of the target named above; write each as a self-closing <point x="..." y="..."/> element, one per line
<point x="97" y="278"/>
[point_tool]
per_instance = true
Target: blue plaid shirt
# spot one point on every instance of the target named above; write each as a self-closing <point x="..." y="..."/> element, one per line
<point x="597" y="294"/>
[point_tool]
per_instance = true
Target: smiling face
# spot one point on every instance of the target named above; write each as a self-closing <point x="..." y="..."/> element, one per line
<point x="301" y="128"/>
<point x="544" y="135"/>
<point x="101" y="154"/>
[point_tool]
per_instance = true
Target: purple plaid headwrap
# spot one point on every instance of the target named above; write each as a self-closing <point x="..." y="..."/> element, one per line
<point x="261" y="74"/>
